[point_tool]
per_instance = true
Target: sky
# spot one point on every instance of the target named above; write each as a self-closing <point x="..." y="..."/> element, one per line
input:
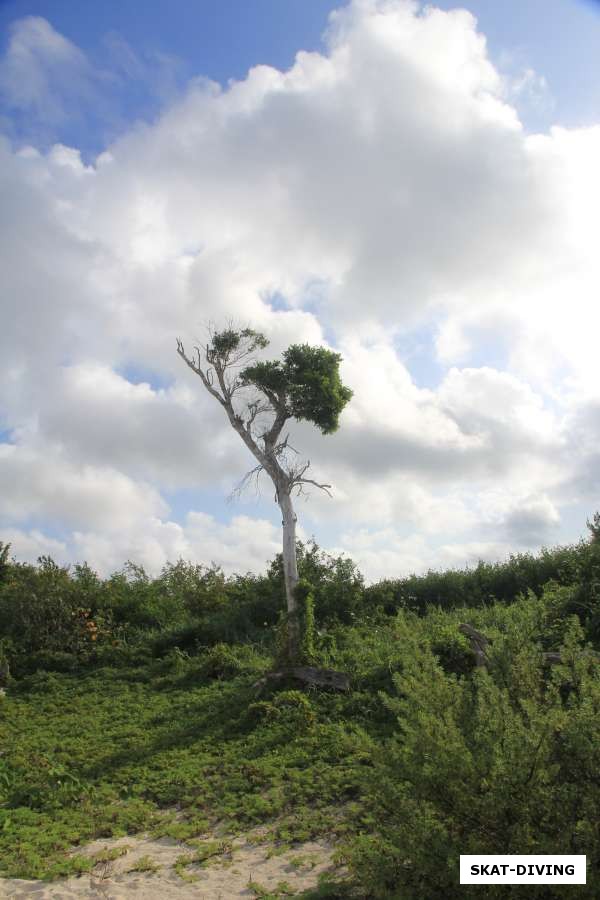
<point x="414" y="186"/>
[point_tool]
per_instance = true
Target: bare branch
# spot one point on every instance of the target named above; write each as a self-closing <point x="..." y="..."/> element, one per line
<point x="301" y="470"/>
<point x="256" y="408"/>
<point x="301" y="481"/>
<point x="253" y="474"/>
<point x="196" y="367"/>
<point x="270" y="464"/>
<point x="273" y="455"/>
<point x="282" y="448"/>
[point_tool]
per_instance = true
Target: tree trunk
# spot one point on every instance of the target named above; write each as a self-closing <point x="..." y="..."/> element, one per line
<point x="290" y="573"/>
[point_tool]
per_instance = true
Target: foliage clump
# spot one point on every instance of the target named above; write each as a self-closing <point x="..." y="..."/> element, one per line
<point x="498" y="762"/>
<point x="308" y="382"/>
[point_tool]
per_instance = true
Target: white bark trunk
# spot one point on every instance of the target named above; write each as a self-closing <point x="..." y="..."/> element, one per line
<point x="290" y="571"/>
<point x="267" y="457"/>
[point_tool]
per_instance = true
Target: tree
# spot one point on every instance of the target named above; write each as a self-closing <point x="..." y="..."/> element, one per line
<point x="259" y="398"/>
<point x="594" y="528"/>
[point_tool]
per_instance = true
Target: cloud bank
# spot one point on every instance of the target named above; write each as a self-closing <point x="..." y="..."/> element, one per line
<point x="378" y="196"/>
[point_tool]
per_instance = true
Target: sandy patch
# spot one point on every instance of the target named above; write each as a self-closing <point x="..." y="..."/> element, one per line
<point x="228" y="872"/>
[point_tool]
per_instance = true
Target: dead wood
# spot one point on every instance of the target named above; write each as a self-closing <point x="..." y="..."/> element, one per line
<point x="329" y="678"/>
<point x="480" y="643"/>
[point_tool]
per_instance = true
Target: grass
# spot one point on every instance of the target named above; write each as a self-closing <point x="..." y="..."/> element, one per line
<point x="282" y="889"/>
<point x="145" y="864"/>
<point x="111" y="752"/>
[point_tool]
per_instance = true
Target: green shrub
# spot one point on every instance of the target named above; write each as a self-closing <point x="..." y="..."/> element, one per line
<point x="481" y="585"/>
<point x="451" y="648"/>
<point x="139" y="602"/>
<point x="7" y="652"/>
<point x="306" y="610"/>
<point x="585" y="601"/>
<point x="290" y="708"/>
<point x="42" y="616"/>
<point x="224" y="661"/>
<point x="336" y="582"/>
<point x="500" y="762"/>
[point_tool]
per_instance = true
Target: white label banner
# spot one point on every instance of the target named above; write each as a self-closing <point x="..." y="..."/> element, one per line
<point x="515" y="869"/>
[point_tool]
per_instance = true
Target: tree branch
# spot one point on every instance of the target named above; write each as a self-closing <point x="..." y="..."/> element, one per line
<point x="301" y="481"/>
<point x="205" y="376"/>
<point x="253" y="473"/>
<point x="281" y="416"/>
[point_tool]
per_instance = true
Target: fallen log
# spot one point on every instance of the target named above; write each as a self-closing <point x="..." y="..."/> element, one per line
<point x="322" y="677"/>
<point x="329" y="678"/>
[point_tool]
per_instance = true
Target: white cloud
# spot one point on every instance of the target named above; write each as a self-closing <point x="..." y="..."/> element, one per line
<point x="385" y="554"/>
<point x="47" y="83"/>
<point x="382" y="188"/>
<point x="49" y="487"/>
<point x="242" y="545"/>
<point x="97" y="415"/>
<point x="42" y="70"/>
<point x="27" y="546"/>
<point x="532" y="522"/>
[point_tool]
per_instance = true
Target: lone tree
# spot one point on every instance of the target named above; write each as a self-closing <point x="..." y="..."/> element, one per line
<point x="259" y="398"/>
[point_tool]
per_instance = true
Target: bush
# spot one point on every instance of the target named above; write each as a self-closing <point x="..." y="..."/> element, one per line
<point x="41" y="616"/>
<point x="481" y="585"/>
<point x="223" y="661"/>
<point x="585" y="601"/>
<point x="139" y="603"/>
<point x="337" y="584"/>
<point x="291" y="709"/>
<point x="451" y="648"/>
<point x="505" y="762"/>
<point x="4" y="561"/>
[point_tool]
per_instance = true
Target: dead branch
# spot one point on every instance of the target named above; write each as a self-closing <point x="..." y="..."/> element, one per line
<point x="300" y="481"/>
<point x="197" y="368"/>
<point x="480" y="643"/>
<point x="245" y="481"/>
<point x="283" y="447"/>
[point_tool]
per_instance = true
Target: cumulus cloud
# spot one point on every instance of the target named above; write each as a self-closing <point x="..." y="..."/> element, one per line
<point x="382" y="189"/>
<point x="242" y="545"/>
<point x="51" y="488"/>
<point x="532" y="523"/>
<point x="158" y="434"/>
<point x="28" y="546"/>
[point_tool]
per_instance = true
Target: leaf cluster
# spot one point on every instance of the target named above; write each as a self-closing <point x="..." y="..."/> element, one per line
<point x="306" y="382"/>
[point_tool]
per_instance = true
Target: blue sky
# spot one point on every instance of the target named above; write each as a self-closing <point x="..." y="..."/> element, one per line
<point x="222" y="40"/>
<point x="218" y="40"/>
<point x="420" y="201"/>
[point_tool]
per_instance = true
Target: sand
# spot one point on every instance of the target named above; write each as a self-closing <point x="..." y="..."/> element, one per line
<point x="228" y="875"/>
